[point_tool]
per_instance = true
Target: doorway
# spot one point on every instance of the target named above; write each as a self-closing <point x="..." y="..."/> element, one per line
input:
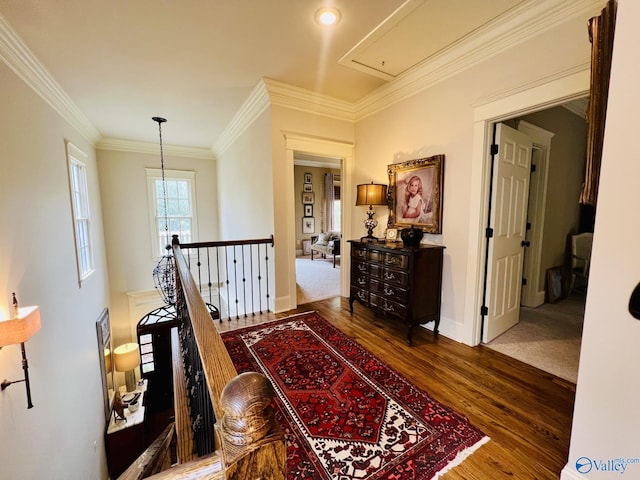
<point x="318" y="206"/>
<point x="548" y="335"/>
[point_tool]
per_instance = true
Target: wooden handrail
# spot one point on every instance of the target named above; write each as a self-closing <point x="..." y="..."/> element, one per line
<point x="218" y="369"/>
<point x="226" y="243"/>
<point x="153" y="460"/>
<point x="248" y="439"/>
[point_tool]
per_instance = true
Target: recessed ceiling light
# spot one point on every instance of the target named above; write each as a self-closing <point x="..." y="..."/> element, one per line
<point x="328" y="16"/>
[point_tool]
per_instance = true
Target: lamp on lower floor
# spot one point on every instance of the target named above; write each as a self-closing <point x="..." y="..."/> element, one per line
<point x="371" y="194"/>
<point x="16" y="330"/>
<point x="126" y="358"/>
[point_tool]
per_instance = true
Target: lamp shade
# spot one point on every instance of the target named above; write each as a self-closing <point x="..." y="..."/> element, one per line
<point x="20" y="329"/>
<point x="371" y="194"/>
<point x="126" y="357"/>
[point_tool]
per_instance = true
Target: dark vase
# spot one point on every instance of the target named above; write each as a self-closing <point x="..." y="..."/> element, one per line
<point x="411" y="236"/>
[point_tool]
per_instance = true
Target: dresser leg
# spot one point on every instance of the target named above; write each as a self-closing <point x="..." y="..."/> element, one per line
<point x="351" y="299"/>
<point x="409" y="335"/>
<point x="435" y="328"/>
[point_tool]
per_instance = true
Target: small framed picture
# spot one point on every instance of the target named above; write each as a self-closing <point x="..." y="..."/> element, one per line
<point x="392" y="234"/>
<point x="307" y="187"/>
<point x="308" y="198"/>
<point x="307" y="178"/>
<point x="308" y="210"/>
<point x="308" y="225"/>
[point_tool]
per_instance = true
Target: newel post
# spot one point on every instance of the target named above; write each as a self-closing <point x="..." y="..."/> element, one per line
<point x="252" y="442"/>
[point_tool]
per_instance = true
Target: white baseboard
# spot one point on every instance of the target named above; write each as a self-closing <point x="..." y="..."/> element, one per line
<point x="570" y="473"/>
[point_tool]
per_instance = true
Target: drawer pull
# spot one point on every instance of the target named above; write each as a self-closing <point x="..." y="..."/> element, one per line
<point x="362" y="296"/>
<point x="362" y="268"/>
<point x="388" y="291"/>
<point x="388" y="308"/>
<point x="389" y="276"/>
<point x="393" y="260"/>
<point x="362" y="281"/>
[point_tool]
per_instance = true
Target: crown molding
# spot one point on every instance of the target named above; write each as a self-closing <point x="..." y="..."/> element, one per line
<point x="19" y="58"/>
<point x="517" y="26"/>
<point x="251" y="109"/>
<point x="296" y="98"/>
<point x="268" y="93"/>
<point x="120" y="145"/>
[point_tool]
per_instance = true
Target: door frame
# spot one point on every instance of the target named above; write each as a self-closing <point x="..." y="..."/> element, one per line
<point x="533" y="294"/>
<point x="572" y="85"/>
<point x="322" y="147"/>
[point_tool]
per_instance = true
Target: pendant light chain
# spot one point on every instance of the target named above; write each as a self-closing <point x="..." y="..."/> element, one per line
<point x="164" y="271"/>
<point x="160" y="121"/>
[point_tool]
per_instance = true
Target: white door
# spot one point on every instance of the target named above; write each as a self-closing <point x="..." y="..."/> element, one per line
<point x="509" y="198"/>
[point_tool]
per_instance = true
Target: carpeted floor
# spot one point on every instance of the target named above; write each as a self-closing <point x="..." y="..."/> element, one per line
<point x="547" y="337"/>
<point x="316" y="279"/>
<point x="347" y="415"/>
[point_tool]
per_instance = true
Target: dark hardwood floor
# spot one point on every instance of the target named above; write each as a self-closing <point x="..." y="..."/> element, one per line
<point x="526" y="412"/>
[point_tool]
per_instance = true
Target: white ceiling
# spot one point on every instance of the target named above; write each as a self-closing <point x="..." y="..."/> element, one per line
<point x="196" y="61"/>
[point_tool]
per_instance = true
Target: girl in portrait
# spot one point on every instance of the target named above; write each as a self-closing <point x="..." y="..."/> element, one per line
<point x="416" y="208"/>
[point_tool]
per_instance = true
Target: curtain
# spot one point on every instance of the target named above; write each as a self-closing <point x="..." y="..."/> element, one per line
<point x="601" y="30"/>
<point x="329" y="197"/>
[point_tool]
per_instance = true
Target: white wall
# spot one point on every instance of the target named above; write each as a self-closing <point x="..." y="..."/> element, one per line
<point x="123" y="186"/>
<point x="440" y="120"/>
<point x="329" y="133"/>
<point x="62" y="435"/>
<point x="605" y="421"/>
<point x="245" y="184"/>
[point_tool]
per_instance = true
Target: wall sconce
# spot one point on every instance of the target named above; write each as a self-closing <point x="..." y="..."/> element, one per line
<point x="126" y="358"/>
<point x="371" y="194"/>
<point x="18" y="330"/>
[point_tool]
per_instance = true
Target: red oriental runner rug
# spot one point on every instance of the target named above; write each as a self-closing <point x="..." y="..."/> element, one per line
<point x="347" y="415"/>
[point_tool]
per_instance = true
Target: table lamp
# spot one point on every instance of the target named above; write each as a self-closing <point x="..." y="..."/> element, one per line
<point x="371" y="194"/>
<point x="126" y="358"/>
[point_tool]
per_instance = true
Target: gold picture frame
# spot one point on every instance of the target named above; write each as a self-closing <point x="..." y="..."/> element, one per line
<point x="415" y="194"/>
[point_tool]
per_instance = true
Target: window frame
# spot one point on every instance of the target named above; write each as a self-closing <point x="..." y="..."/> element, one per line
<point x="154" y="174"/>
<point x="80" y="212"/>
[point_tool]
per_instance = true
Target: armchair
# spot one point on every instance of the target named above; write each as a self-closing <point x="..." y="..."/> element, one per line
<point x="326" y="244"/>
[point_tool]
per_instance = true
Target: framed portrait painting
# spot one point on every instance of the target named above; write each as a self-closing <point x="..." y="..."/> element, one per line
<point x="415" y="194"/>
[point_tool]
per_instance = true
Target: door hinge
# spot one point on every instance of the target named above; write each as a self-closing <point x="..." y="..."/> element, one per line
<point x="484" y="310"/>
<point x="533" y="167"/>
<point x="528" y="225"/>
<point x="524" y="281"/>
<point x="488" y="232"/>
<point x="494" y="149"/>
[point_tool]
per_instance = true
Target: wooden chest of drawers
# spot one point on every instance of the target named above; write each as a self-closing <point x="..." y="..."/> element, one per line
<point x="403" y="283"/>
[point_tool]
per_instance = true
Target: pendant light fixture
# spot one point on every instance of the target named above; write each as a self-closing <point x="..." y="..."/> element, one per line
<point x="164" y="271"/>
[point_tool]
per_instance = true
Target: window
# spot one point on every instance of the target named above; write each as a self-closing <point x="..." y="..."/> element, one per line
<point x="180" y="213"/>
<point x="81" y="211"/>
<point x="146" y="353"/>
<point x="337" y="221"/>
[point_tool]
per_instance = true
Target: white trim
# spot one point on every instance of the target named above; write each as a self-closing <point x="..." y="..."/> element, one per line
<point x="570" y="473"/>
<point x="16" y="54"/>
<point x="121" y="145"/>
<point x="516" y="25"/>
<point x="251" y="109"/>
<point x="552" y="93"/>
<point x="76" y="157"/>
<point x="531" y="270"/>
<point x="296" y="142"/>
